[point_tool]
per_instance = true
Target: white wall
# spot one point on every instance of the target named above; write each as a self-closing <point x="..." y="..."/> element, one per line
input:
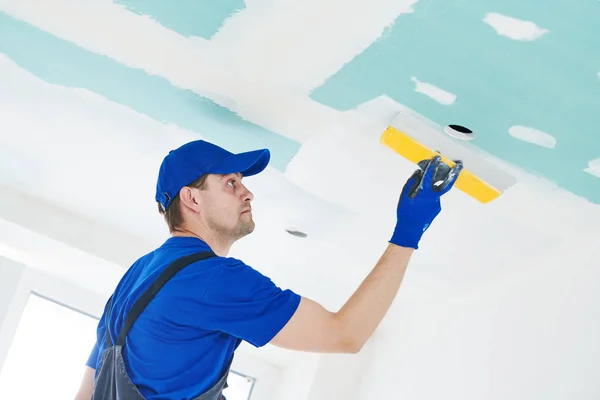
<point x="298" y="378"/>
<point x="338" y="376"/>
<point x="535" y="334"/>
<point x="10" y="274"/>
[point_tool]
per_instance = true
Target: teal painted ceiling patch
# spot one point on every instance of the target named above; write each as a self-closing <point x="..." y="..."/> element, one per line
<point x="201" y="18"/>
<point x="60" y="62"/>
<point x="519" y="74"/>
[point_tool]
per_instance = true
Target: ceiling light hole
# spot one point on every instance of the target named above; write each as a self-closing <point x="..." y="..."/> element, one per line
<point x="459" y="132"/>
<point x="296" y="232"/>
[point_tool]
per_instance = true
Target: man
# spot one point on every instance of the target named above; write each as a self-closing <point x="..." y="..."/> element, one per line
<point x="182" y="343"/>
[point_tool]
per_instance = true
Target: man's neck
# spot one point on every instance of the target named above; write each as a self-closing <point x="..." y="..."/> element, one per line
<point x="219" y="247"/>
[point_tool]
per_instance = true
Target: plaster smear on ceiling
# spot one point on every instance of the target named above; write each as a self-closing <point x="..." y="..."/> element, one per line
<point x="593" y="167"/>
<point x="136" y="42"/>
<point x="534" y="136"/>
<point x="133" y="40"/>
<point x="151" y="95"/>
<point x="437" y="94"/>
<point x="239" y="61"/>
<point x="312" y="38"/>
<point x="514" y="28"/>
<point x="212" y="69"/>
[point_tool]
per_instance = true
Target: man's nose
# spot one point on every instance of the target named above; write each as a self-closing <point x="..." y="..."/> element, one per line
<point x="247" y="195"/>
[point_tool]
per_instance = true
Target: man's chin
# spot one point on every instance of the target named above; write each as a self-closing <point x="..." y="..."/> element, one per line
<point x="246" y="229"/>
<point x="250" y="228"/>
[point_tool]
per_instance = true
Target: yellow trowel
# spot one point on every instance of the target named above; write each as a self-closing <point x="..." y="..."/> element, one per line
<point x="417" y="138"/>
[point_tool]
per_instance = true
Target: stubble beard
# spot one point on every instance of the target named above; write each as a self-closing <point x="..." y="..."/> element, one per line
<point x="243" y="228"/>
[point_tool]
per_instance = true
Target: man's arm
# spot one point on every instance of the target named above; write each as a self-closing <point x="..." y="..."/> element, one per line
<point x="313" y="328"/>
<point x="86" y="387"/>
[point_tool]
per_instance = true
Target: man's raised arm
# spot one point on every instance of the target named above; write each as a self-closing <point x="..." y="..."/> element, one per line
<point x="313" y="328"/>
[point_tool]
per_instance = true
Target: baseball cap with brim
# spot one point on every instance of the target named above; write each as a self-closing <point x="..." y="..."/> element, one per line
<point x="189" y="162"/>
<point x="248" y="163"/>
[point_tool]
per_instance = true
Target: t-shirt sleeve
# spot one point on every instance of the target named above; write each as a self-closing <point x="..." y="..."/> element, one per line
<point x="93" y="357"/>
<point x="246" y="304"/>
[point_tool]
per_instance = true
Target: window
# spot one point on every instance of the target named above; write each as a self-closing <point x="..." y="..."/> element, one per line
<point x="240" y="386"/>
<point x="50" y="348"/>
<point x="48" y="352"/>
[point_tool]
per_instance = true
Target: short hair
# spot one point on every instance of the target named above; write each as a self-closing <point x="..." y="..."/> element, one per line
<point x="173" y="216"/>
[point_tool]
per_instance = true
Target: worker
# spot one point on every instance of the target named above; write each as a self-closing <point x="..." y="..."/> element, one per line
<point x="177" y="316"/>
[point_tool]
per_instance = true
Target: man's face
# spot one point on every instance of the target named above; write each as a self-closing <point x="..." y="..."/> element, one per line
<point x="226" y="206"/>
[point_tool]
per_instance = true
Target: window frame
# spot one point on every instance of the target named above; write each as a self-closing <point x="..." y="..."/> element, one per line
<point x="49" y="287"/>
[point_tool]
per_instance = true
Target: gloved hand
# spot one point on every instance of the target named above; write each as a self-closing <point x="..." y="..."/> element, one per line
<point x="419" y="201"/>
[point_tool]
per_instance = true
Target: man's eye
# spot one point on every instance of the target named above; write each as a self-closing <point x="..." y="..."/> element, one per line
<point x="230" y="183"/>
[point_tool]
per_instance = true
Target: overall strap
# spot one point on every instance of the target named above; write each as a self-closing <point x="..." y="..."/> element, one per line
<point x="109" y="342"/>
<point x="149" y="293"/>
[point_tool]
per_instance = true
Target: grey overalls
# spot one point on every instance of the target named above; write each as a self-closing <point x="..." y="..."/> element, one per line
<point x="112" y="381"/>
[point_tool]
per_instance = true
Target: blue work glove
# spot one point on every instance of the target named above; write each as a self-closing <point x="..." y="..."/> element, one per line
<point x="419" y="201"/>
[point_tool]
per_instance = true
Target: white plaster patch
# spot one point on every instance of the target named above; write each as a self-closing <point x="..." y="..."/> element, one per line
<point x="533" y="136"/>
<point x="514" y="28"/>
<point x="260" y="57"/>
<point x="593" y="167"/>
<point x="437" y="94"/>
<point x="271" y="41"/>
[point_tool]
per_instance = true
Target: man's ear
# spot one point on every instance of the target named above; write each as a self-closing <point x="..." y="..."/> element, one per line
<point x="188" y="198"/>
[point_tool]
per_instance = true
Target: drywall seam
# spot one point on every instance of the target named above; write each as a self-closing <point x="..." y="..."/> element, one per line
<point x="139" y="42"/>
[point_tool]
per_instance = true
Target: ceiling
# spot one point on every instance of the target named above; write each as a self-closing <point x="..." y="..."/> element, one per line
<point x="522" y="77"/>
<point x="316" y="82"/>
<point x="519" y="74"/>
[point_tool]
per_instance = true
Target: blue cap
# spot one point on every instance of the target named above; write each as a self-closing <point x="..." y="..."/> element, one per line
<point x="189" y="162"/>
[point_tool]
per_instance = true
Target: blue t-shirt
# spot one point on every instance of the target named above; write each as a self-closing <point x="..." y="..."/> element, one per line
<point x="182" y="341"/>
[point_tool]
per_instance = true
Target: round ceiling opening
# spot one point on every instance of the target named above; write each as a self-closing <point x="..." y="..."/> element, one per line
<point x="297" y="233"/>
<point x="459" y="132"/>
